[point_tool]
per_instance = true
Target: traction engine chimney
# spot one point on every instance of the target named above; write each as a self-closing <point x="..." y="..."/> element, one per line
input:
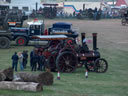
<point x="94" y="41"/>
<point x="83" y="36"/>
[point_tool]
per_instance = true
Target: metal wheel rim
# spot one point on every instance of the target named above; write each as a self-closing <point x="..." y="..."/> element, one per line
<point x="67" y="63"/>
<point x="21" y="41"/>
<point x="101" y="65"/>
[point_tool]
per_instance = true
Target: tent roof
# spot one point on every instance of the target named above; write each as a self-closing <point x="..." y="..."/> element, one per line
<point x="121" y="2"/>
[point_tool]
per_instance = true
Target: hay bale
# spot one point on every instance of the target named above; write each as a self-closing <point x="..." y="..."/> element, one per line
<point x="45" y="78"/>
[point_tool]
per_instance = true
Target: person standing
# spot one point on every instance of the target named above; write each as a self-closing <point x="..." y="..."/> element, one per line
<point x="35" y="61"/>
<point x="20" y="55"/>
<point x="25" y="57"/>
<point x="41" y="61"/>
<point x="95" y="14"/>
<point x="31" y="58"/>
<point x="14" y="61"/>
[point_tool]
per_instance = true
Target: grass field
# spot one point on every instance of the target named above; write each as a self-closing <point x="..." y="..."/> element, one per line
<point x="112" y="83"/>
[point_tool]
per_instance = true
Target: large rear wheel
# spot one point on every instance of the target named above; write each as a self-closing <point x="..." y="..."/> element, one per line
<point x="4" y="42"/>
<point x="66" y="62"/>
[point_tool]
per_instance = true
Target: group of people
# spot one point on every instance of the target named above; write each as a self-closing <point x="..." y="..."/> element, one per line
<point x="37" y="60"/>
<point x="21" y="58"/>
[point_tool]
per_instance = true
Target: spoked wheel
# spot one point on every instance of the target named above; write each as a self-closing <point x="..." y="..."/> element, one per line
<point x="123" y="21"/>
<point x="90" y="66"/>
<point x="70" y="42"/>
<point x="101" y="65"/>
<point x="66" y="62"/>
<point x="21" y="41"/>
<point x="52" y="63"/>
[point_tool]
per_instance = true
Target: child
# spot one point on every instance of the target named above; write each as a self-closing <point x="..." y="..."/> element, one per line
<point x="20" y="55"/>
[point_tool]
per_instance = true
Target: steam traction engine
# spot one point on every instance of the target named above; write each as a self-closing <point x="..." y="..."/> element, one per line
<point x="64" y="55"/>
<point x="91" y="58"/>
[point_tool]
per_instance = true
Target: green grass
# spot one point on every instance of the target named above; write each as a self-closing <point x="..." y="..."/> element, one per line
<point x="112" y="83"/>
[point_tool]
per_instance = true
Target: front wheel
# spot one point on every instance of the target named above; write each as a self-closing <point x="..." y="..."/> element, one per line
<point x="101" y="65"/>
<point x="66" y="62"/>
<point x="21" y="41"/>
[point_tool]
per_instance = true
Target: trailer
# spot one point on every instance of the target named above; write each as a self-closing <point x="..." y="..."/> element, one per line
<point x="22" y="36"/>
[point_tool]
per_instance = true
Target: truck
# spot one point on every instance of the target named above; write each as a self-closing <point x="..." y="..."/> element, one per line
<point x="22" y="36"/>
<point x="5" y="34"/>
<point x="63" y="28"/>
<point x="5" y="38"/>
<point x="15" y="18"/>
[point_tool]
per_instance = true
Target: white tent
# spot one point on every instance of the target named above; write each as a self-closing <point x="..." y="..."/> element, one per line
<point x="2" y="2"/>
<point x="122" y="2"/>
<point x="31" y="4"/>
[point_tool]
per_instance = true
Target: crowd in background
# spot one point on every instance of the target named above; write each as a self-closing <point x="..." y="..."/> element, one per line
<point x="95" y="14"/>
<point x="53" y="12"/>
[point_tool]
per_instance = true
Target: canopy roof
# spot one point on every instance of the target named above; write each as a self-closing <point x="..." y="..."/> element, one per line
<point x="121" y="2"/>
<point x="62" y="25"/>
<point x="35" y="22"/>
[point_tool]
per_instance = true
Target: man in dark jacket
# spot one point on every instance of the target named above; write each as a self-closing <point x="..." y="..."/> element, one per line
<point x="31" y="58"/>
<point x="25" y="58"/>
<point x="41" y="61"/>
<point x="35" y="58"/>
<point x="14" y="61"/>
